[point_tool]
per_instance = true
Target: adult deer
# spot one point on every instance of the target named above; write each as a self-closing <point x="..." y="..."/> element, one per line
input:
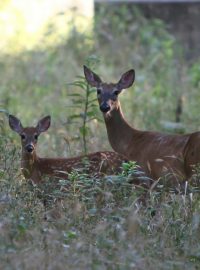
<point x="158" y="154"/>
<point x="34" y="167"/>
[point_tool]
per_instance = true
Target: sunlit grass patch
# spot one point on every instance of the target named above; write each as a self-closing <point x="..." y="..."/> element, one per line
<point x="39" y="24"/>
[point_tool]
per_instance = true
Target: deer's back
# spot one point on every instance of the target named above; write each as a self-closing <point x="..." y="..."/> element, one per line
<point x="106" y="162"/>
<point x="159" y="153"/>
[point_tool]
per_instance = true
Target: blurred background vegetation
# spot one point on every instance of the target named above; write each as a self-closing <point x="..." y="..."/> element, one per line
<point x="44" y="46"/>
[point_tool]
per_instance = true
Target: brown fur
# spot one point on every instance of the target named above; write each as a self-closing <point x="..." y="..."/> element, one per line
<point x="158" y="154"/>
<point x="34" y="167"/>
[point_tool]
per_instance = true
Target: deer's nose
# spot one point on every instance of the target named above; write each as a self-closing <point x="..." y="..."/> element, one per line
<point x="104" y="107"/>
<point x="29" y="148"/>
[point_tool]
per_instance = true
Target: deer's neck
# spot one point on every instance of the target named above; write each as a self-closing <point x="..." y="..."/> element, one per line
<point x="120" y="133"/>
<point x="28" y="163"/>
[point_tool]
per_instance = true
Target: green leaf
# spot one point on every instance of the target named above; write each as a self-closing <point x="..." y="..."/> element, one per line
<point x="75" y="95"/>
<point x="90" y="114"/>
<point x="84" y="130"/>
<point x="73" y="116"/>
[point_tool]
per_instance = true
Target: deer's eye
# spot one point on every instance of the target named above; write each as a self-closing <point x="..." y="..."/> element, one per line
<point x="23" y="137"/>
<point x="36" y="137"/>
<point x="98" y="91"/>
<point x="116" y="92"/>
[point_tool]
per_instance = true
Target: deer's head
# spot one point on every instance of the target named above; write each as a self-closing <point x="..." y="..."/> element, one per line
<point x="29" y="135"/>
<point x="107" y="93"/>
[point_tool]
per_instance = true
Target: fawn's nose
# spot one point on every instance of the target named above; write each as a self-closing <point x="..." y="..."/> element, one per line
<point x="29" y="148"/>
<point x="104" y="107"/>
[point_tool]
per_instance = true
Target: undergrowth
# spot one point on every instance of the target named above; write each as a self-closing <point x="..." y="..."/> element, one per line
<point x="93" y="223"/>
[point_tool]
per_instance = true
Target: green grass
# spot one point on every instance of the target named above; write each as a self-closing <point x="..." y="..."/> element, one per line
<point x="91" y="223"/>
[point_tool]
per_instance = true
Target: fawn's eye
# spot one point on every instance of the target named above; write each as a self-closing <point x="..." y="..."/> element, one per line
<point x="23" y="137"/>
<point x="98" y="91"/>
<point x="116" y="92"/>
<point x="36" y="137"/>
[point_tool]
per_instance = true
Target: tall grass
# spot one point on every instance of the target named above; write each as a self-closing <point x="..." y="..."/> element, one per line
<point x="93" y="223"/>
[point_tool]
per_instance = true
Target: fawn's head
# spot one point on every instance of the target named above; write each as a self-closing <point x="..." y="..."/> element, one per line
<point x="107" y="93"/>
<point x="29" y="135"/>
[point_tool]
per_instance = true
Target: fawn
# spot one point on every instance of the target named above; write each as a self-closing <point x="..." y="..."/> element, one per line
<point x="158" y="154"/>
<point x="34" y="167"/>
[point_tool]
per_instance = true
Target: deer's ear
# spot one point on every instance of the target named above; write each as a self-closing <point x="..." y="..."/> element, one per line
<point x="91" y="77"/>
<point x="44" y="124"/>
<point x="126" y="80"/>
<point x="15" y="124"/>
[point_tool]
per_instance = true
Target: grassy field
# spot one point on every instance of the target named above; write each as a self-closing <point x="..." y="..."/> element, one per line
<point x="91" y="223"/>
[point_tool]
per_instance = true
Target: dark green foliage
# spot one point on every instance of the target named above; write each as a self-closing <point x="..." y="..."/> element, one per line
<point x="85" y="106"/>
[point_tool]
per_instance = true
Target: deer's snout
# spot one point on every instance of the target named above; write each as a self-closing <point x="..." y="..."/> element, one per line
<point x="29" y="148"/>
<point x="104" y="107"/>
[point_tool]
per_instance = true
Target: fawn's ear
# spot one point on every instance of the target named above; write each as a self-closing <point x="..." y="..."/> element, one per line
<point x="91" y="77"/>
<point x="15" y="124"/>
<point x="126" y="80"/>
<point x="44" y="124"/>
